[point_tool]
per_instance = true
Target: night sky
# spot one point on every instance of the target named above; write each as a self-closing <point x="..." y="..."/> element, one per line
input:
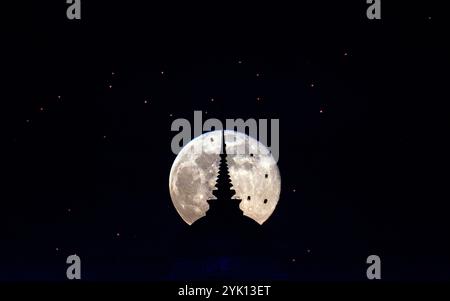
<point x="87" y="107"/>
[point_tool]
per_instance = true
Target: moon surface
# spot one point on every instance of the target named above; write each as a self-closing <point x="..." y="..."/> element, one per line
<point x="253" y="171"/>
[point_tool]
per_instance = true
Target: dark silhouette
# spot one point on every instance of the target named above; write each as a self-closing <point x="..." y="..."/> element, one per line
<point x="225" y="244"/>
<point x="225" y="229"/>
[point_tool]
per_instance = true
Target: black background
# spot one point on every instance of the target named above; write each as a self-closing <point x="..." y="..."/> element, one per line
<point x="369" y="172"/>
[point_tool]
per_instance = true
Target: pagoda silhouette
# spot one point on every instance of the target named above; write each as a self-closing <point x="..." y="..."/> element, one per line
<point x="224" y="244"/>
<point x="225" y="228"/>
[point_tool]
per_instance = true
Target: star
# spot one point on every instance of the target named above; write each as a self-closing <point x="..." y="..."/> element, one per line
<point x="104" y="136"/>
<point x="321" y="111"/>
<point x="69" y="210"/>
<point x="345" y="54"/>
<point x="59" y="96"/>
<point x="145" y="101"/>
<point x="28" y="121"/>
<point x="57" y="249"/>
<point x="293" y="259"/>
<point x="170" y="115"/>
<point x="308" y="251"/>
<point x="112" y="73"/>
<point x="258" y="98"/>
<point x="41" y="109"/>
<point x="257" y="74"/>
<point x="239" y="62"/>
<point x="162" y="72"/>
<point x="293" y="190"/>
<point x="118" y="234"/>
<point x="312" y="85"/>
<point x="110" y="86"/>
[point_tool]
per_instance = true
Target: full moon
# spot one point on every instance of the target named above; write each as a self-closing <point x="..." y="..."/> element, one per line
<point x="253" y="171"/>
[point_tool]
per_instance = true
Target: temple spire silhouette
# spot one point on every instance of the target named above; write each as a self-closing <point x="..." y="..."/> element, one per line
<point x="224" y="191"/>
<point x="224" y="209"/>
<point x="224" y="228"/>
